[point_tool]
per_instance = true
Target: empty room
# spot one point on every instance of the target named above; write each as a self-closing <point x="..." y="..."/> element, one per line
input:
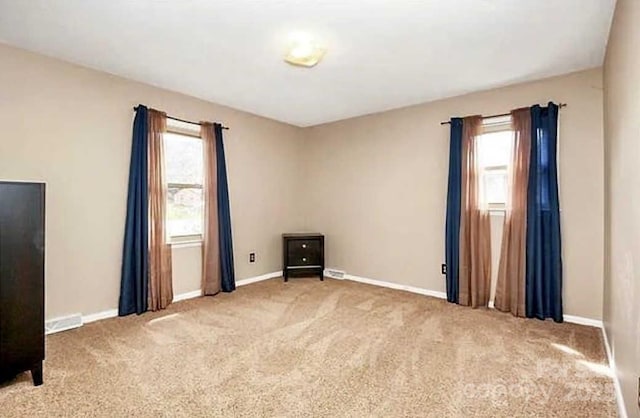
<point x="306" y="208"/>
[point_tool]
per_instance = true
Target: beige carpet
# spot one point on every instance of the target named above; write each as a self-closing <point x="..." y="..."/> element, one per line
<point x="310" y="348"/>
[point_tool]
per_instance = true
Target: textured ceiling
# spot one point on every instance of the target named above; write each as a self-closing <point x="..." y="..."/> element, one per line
<point x="383" y="54"/>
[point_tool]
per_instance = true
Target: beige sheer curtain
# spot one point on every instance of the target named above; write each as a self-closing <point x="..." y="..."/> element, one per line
<point x="475" y="229"/>
<point x="510" y="290"/>
<point x="160" y="280"/>
<point x="211" y="280"/>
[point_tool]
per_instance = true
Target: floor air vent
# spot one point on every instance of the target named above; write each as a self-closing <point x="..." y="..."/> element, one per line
<point x="63" y="324"/>
<point x="334" y="274"/>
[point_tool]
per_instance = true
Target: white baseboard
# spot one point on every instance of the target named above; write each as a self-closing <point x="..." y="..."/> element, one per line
<point x="391" y="285"/>
<point x="187" y="295"/>
<point x="109" y="313"/>
<point x="112" y="313"/>
<point x="443" y="295"/>
<point x="255" y="279"/>
<point x="622" y="410"/>
<point x="75" y="321"/>
<point x="582" y="321"/>
<point x="63" y="323"/>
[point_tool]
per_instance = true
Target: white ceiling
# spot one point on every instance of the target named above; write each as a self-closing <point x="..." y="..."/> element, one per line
<point x="382" y="54"/>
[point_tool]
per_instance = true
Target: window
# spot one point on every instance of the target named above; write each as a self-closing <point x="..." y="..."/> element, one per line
<point x="184" y="172"/>
<point x="494" y="156"/>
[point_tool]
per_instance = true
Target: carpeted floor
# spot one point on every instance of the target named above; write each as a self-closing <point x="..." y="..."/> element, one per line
<point x="309" y="348"/>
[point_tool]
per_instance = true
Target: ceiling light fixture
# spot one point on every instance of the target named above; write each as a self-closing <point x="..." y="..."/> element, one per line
<point x="305" y="52"/>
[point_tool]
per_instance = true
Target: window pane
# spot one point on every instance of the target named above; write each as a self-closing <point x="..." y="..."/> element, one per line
<point x="494" y="149"/>
<point x="185" y="211"/>
<point x="495" y="187"/>
<point x="183" y="159"/>
<point x="184" y="165"/>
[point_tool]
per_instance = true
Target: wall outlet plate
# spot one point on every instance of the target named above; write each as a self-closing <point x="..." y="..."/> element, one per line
<point x="443" y="269"/>
<point x="252" y="257"/>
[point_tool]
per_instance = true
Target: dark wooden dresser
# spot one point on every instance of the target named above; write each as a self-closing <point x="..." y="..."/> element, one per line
<point x="21" y="279"/>
<point x="303" y="255"/>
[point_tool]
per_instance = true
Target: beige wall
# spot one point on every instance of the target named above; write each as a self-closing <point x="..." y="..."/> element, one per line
<point x="376" y="185"/>
<point x="622" y="150"/>
<point x="71" y="127"/>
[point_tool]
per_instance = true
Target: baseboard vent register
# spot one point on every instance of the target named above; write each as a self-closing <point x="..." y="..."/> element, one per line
<point x="63" y="324"/>
<point x="334" y="274"/>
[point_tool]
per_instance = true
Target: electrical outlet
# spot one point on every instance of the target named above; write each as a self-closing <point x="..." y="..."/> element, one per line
<point x="443" y="269"/>
<point x="252" y="257"/>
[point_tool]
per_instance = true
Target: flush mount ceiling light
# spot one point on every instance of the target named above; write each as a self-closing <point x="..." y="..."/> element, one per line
<point x="304" y="52"/>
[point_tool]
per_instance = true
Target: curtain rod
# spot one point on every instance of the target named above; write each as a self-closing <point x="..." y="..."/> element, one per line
<point x="183" y="120"/>
<point x="560" y="106"/>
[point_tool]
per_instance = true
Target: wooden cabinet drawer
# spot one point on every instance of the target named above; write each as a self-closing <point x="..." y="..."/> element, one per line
<point x="303" y="252"/>
<point x="304" y="260"/>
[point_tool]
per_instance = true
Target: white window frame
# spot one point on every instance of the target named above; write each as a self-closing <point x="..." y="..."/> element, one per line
<point x="492" y="125"/>
<point x="504" y="123"/>
<point x="192" y="131"/>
